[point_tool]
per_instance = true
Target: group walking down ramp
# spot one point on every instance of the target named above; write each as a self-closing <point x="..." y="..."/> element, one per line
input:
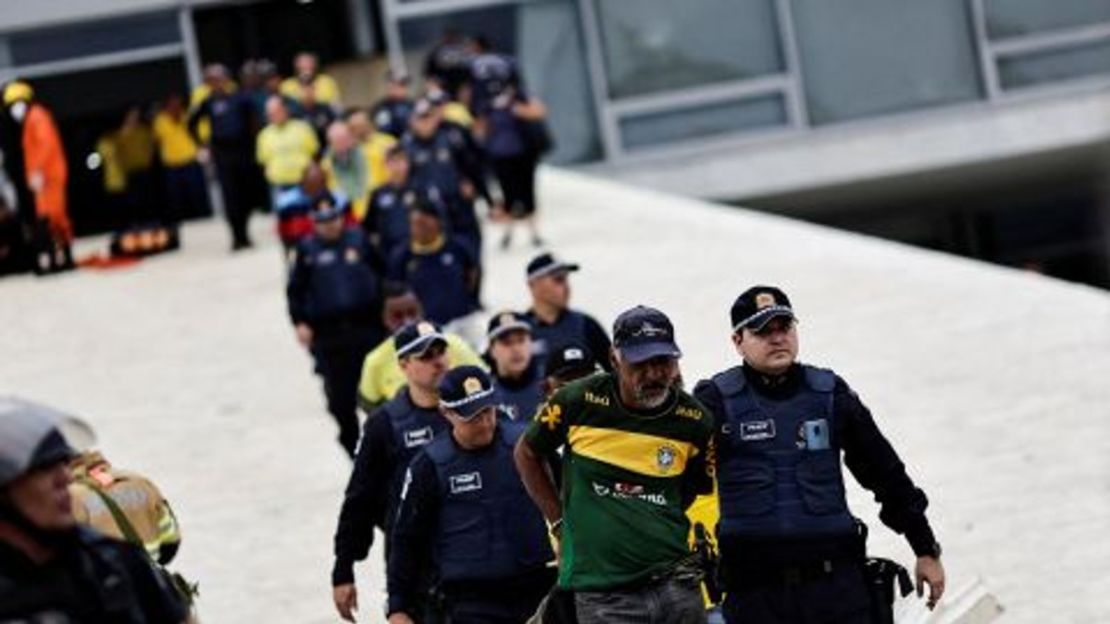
<point x="990" y="381"/>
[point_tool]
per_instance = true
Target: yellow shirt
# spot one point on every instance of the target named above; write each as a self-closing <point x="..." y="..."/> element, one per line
<point x="285" y="151"/>
<point x="135" y="148"/>
<point x="382" y="376"/>
<point x="327" y="91"/>
<point x="458" y="113"/>
<point x="115" y="178"/>
<point x="374" y="150"/>
<point x="176" y="147"/>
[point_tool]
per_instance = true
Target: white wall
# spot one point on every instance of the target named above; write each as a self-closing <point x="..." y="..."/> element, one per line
<point x="871" y="149"/>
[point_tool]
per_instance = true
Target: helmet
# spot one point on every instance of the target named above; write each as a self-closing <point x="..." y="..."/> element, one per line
<point x="17" y="91"/>
<point x="34" y="435"/>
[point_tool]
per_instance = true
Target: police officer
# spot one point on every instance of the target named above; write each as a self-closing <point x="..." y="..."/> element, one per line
<point x="335" y="301"/>
<point x="464" y="498"/>
<point x="233" y="124"/>
<point x="52" y="569"/>
<point x="443" y="272"/>
<point x="516" y="371"/>
<point x="566" y="363"/>
<point x="553" y="322"/>
<point x="391" y="114"/>
<point x="390" y="438"/>
<point x="443" y="158"/>
<point x="387" y="218"/>
<point x="790" y="548"/>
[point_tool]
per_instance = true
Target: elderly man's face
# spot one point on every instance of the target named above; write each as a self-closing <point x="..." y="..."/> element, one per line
<point x="772" y="349"/>
<point x="276" y="113"/>
<point x="647" y="384"/>
<point x="42" y="496"/>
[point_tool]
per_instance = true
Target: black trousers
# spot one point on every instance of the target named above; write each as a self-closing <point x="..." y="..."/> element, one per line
<point x="840" y="597"/>
<point x="339" y="356"/>
<point x="234" y="171"/>
<point x="517" y="177"/>
<point x="517" y="601"/>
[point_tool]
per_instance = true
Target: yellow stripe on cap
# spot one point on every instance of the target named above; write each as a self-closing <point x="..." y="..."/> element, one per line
<point x="641" y="453"/>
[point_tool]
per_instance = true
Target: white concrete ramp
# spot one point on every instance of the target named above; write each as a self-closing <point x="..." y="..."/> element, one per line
<point x="990" y="382"/>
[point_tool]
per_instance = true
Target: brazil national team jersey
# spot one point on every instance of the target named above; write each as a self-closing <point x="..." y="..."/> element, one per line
<point x="627" y="477"/>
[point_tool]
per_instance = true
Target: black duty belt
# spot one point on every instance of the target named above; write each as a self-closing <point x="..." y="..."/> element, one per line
<point x="788" y="575"/>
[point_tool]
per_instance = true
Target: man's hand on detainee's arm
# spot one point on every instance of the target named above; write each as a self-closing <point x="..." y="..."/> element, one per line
<point x="930" y="570"/>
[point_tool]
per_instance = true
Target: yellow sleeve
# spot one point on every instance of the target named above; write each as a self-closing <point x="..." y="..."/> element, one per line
<point x="459" y="353"/>
<point x="312" y="144"/>
<point x="262" y="147"/>
<point x="327" y="90"/>
<point x="329" y="173"/>
<point x="370" y="390"/>
<point x="291" y="88"/>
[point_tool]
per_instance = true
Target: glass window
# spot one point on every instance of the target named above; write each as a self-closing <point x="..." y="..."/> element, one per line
<point x="869" y="57"/>
<point x="100" y="37"/>
<point x="1012" y="18"/>
<point x="657" y="45"/>
<point x="703" y="121"/>
<point x="546" y="40"/>
<point x="1050" y="66"/>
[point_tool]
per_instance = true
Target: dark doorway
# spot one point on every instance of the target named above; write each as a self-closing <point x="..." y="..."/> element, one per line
<point x="87" y="104"/>
<point x="274" y="30"/>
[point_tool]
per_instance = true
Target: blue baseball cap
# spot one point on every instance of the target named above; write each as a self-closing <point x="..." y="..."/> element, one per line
<point x="326" y="207"/>
<point x="415" y="338"/>
<point x="642" y="333"/>
<point x="505" y="322"/>
<point x="467" y="390"/>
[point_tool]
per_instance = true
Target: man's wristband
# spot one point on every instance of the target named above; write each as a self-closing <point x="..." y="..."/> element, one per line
<point x="555" y="529"/>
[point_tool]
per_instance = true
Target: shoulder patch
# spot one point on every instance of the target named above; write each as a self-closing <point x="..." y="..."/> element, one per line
<point x="551" y="415"/>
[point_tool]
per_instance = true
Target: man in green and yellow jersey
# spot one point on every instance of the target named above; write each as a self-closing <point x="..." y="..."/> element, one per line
<point x="636" y="452"/>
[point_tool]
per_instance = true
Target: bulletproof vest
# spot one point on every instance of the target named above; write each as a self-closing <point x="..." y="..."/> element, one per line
<point x="93" y="585"/>
<point x="433" y="163"/>
<point x="391" y="216"/>
<point x="488" y="527"/>
<point x="342" y="284"/>
<point x="392" y="116"/>
<point x="440" y="282"/>
<point x="520" y="401"/>
<point x="413" y="429"/>
<point x="571" y="327"/>
<point x="778" y="469"/>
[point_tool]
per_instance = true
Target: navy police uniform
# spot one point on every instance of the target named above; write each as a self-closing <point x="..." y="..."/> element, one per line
<point x="233" y="124"/>
<point x="521" y="395"/>
<point x="387" y="216"/>
<point x="790" y="549"/>
<point x="443" y="161"/>
<point x="391" y="437"/>
<point x="336" y="288"/>
<point x="571" y="326"/>
<point x="488" y="541"/>
<point x="441" y="274"/>
<point x="391" y="115"/>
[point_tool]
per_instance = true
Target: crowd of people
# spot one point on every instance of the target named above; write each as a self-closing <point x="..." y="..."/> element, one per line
<point x="521" y="466"/>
